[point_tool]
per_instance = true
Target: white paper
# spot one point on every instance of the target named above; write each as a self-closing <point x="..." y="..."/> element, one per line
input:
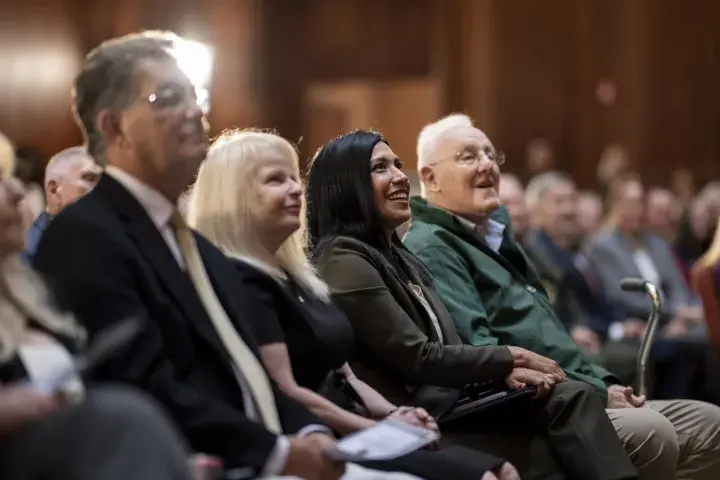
<point x="387" y="440"/>
<point x="50" y="367"/>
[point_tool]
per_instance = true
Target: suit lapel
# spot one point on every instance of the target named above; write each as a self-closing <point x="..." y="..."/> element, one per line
<point x="627" y="262"/>
<point x="152" y="247"/>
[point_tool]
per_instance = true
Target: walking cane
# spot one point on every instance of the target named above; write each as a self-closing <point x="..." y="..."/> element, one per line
<point x="640" y="285"/>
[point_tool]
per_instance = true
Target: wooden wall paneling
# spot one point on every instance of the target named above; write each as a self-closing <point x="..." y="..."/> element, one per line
<point x="234" y="88"/>
<point x="683" y="113"/>
<point x="531" y="57"/>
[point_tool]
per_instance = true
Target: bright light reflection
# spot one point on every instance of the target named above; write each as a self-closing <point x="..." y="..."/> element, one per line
<point x="196" y="60"/>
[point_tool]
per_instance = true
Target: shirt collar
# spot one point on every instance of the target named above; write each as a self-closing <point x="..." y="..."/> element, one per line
<point x="157" y="206"/>
<point x="494" y="228"/>
<point x="494" y="234"/>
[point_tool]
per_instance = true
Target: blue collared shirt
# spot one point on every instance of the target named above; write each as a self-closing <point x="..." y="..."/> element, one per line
<point x="34" y="235"/>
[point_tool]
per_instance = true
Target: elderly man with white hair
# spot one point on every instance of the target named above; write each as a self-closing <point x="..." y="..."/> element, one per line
<point x="462" y="234"/>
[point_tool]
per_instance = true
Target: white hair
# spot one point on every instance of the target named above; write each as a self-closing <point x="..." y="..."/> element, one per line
<point x="429" y="136"/>
<point x="220" y="200"/>
<point x="541" y="183"/>
<point x="59" y="159"/>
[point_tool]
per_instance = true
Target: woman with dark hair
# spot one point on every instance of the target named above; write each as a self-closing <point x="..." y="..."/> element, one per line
<point x="406" y="346"/>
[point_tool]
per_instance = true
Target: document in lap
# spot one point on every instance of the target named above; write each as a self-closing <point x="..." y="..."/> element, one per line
<point x="386" y="440"/>
<point x="487" y="401"/>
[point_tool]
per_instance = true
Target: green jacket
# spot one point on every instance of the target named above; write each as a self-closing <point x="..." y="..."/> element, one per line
<point x="495" y="298"/>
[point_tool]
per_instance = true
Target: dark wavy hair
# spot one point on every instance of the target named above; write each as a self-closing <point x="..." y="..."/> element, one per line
<point x="340" y="201"/>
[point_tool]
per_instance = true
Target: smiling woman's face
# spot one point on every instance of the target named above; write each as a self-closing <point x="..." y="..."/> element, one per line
<point x="391" y="187"/>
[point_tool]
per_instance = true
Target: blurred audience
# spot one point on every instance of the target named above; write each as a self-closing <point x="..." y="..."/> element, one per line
<point x="571" y="285"/>
<point x="694" y="234"/>
<point x="512" y="195"/>
<point x="590" y="212"/>
<point x="69" y="175"/>
<point x="706" y="280"/>
<point x="494" y="297"/>
<point x="662" y="213"/>
<point x="626" y="248"/>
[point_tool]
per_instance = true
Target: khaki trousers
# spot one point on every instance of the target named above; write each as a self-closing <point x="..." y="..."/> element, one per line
<point x="671" y="439"/>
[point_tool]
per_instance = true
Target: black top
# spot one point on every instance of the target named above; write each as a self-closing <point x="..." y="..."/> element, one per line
<point x="318" y="335"/>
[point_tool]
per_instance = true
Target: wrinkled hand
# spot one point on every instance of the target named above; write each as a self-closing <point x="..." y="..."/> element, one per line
<point x="530" y="360"/>
<point x="20" y="406"/>
<point x="586" y="339"/>
<point x="677" y="328"/>
<point x="524" y="377"/>
<point x="691" y="315"/>
<point x="633" y="328"/>
<point x="620" y="396"/>
<point x="416" y="416"/>
<point x="307" y="459"/>
<point x="506" y="472"/>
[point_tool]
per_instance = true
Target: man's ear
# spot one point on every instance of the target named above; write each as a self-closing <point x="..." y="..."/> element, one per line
<point x="427" y="178"/>
<point x="51" y="188"/>
<point x="108" y="124"/>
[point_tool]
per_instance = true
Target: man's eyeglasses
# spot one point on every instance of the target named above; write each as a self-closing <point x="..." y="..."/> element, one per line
<point x="173" y="96"/>
<point x="471" y="156"/>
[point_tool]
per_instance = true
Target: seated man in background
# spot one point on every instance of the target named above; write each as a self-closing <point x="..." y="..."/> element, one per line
<point x="69" y="175"/>
<point x="589" y="210"/>
<point x="567" y="278"/>
<point x="512" y="195"/>
<point x="495" y="297"/>
<point x="662" y="212"/>
<point x="625" y="248"/>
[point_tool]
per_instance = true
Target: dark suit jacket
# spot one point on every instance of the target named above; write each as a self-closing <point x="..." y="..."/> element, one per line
<point x="611" y="256"/>
<point x="107" y="261"/>
<point x="567" y="282"/>
<point x="397" y="345"/>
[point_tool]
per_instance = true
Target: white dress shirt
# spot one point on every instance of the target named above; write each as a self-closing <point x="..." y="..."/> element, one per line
<point x="160" y="211"/>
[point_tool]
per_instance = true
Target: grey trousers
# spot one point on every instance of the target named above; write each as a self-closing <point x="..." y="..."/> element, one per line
<point x="115" y="434"/>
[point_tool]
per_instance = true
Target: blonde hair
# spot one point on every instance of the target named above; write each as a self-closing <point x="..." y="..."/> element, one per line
<point x="428" y="139"/>
<point x="712" y="256"/>
<point x="24" y="297"/>
<point x="220" y="200"/>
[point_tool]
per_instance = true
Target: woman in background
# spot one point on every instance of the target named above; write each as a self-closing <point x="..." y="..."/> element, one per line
<point x="247" y="199"/>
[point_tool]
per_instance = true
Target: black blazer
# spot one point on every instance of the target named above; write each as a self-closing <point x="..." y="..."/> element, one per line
<point x="106" y="261"/>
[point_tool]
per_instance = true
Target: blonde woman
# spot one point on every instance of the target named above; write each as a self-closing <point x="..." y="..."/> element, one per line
<point x="248" y="200"/>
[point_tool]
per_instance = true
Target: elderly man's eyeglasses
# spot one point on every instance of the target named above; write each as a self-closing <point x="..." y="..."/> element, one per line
<point x="472" y="155"/>
<point x="173" y="96"/>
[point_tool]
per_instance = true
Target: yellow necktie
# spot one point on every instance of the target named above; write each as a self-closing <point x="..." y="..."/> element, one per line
<point x="243" y="358"/>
